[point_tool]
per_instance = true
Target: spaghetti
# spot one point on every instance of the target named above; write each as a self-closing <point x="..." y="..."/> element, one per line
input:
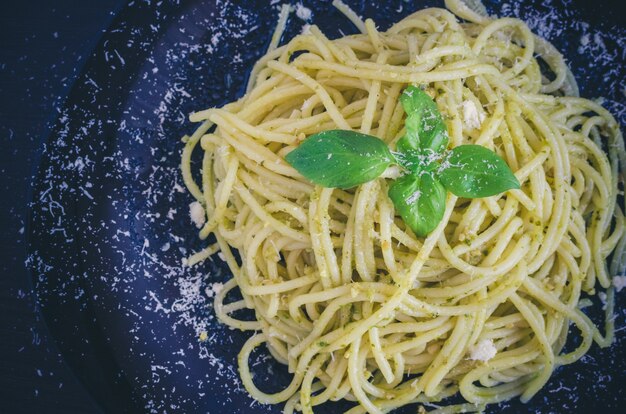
<point x="344" y="294"/>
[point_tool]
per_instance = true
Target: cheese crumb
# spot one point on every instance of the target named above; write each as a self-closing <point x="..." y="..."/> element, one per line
<point x="217" y="287"/>
<point x="602" y="297"/>
<point x="214" y="289"/>
<point x="196" y="212"/>
<point x="619" y="282"/>
<point x="584" y="40"/>
<point x="471" y="117"/>
<point x="394" y="172"/>
<point x="303" y="13"/>
<point x="483" y="351"/>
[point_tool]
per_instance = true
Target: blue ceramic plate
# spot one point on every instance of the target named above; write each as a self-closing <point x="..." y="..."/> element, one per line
<point x="110" y="225"/>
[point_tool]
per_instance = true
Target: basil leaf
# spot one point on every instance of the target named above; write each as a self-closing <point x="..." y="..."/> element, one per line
<point x="409" y="159"/>
<point x="473" y="171"/>
<point x="420" y="200"/>
<point x="417" y="163"/>
<point x="340" y="158"/>
<point x="425" y="129"/>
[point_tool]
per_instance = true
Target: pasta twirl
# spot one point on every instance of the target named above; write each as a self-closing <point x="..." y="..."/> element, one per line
<point x="344" y="294"/>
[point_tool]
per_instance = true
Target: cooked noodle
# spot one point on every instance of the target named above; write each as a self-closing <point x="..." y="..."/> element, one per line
<point x="344" y="294"/>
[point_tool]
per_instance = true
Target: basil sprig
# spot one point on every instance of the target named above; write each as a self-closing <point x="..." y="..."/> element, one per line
<point x="344" y="159"/>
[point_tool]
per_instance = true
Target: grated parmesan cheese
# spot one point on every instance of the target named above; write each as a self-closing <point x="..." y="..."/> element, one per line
<point x="217" y="287"/>
<point x="196" y="212"/>
<point x="483" y="351"/>
<point x="619" y="282"/>
<point x="214" y="289"/>
<point x="306" y="29"/>
<point x="303" y="13"/>
<point x="471" y="117"/>
<point x="413" y="197"/>
<point x="393" y="172"/>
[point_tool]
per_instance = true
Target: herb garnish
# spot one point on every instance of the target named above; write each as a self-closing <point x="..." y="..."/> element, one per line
<point x="344" y="159"/>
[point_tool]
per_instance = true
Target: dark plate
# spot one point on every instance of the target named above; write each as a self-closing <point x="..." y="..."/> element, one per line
<point x="109" y="223"/>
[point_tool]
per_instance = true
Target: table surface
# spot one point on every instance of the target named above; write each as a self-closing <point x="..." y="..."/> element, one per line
<point x="42" y="51"/>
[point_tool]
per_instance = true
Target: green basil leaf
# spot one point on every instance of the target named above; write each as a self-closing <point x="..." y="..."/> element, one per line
<point x="410" y="141"/>
<point x="420" y="199"/>
<point x="473" y="171"/>
<point x="425" y="129"/>
<point x="340" y="158"/>
<point x="410" y="159"/>
<point x="416" y="162"/>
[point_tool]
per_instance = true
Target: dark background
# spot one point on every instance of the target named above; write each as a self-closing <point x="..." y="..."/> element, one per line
<point x="43" y="46"/>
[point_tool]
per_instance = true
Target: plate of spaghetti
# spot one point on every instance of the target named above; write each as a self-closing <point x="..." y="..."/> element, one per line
<point x="374" y="208"/>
